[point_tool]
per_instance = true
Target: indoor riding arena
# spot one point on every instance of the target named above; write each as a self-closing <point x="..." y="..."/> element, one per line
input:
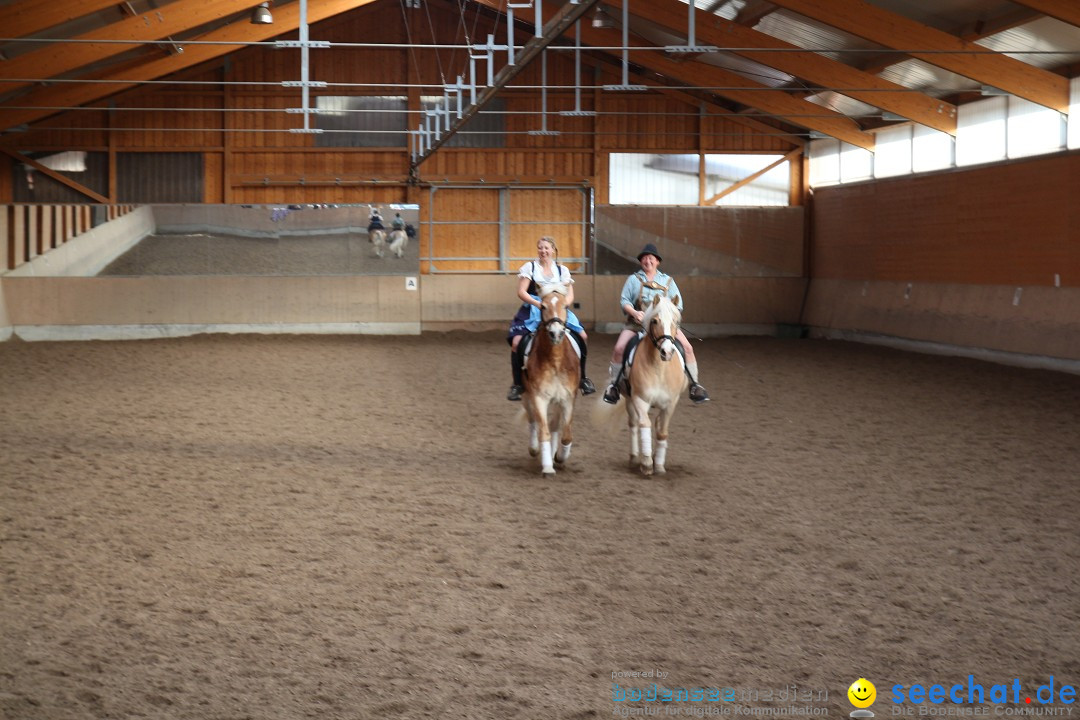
<point x="258" y="262"/>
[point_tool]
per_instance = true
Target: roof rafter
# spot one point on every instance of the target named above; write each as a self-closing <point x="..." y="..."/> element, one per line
<point x="286" y="19"/>
<point x="692" y="98"/>
<point x="810" y="66"/>
<point x="59" y="57"/>
<point x="32" y="16"/>
<point x="1066" y="11"/>
<point x="943" y="50"/>
<point x="732" y="86"/>
<point x="971" y="32"/>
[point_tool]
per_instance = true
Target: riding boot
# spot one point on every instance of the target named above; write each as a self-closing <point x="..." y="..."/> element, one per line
<point x="698" y="394"/>
<point x="586" y="385"/>
<point x="516" y="363"/>
<point x="611" y="394"/>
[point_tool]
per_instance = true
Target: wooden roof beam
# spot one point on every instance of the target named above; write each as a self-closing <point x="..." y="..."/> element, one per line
<point x="32" y="16"/>
<point x="813" y="67"/>
<point x="286" y="19"/>
<point x="943" y="50"/>
<point x="733" y="86"/>
<point x="58" y="57"/>
<point x="692" y="99"/>
<point x="1067" y="11"/>
<point x="971" y="32"/>
<point x="747" y="92"/>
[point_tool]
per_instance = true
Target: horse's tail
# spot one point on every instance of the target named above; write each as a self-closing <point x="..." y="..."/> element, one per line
<point x="608" y="417"/>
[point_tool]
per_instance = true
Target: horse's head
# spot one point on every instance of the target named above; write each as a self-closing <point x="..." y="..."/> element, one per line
<point x="553" y="312"/>
<point x="661" y="323"/>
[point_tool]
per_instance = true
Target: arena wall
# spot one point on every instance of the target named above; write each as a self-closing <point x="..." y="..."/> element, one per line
<point x="63" y="308"/>
<point x="980" y="261"/>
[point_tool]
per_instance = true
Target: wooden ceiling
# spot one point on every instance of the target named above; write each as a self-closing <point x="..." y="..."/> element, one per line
<point x="823" y="66"/>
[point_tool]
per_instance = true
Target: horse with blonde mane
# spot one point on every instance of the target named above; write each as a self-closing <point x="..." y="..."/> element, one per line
<point x="656" y="378"/>
<point x="397" y="241"/>
<point x="551" y="383"/>
<point x="377" y="237"/>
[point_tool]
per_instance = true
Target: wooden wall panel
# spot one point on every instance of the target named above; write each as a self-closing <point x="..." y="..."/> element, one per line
<point x="641" y="124"/>
<point x="1011" y="224"/>
<point x="494" y="165"/>
<point x="473" y="231"/>
<point x="183" y="125"/>
<point x="725" y="135"/>
<point x="213" y="178"/>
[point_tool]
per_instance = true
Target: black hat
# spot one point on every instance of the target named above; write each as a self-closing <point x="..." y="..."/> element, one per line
<point x="650" y="249"/>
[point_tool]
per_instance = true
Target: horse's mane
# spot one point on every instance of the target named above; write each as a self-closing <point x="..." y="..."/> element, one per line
<point x="548" y="288"/>
<point x="652" y="310"/>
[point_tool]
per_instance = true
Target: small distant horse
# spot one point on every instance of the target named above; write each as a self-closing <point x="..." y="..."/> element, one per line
<point x="657" y="379"/>
<point x="398" y="240"/>
<point x="551" y="383"/>
<point x="377" y="237"/>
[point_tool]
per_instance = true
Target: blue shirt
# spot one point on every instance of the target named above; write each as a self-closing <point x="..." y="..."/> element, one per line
<point x="634" y="289"/>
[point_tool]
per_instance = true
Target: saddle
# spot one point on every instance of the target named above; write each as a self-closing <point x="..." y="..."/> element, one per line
<point x="525" y="347"/>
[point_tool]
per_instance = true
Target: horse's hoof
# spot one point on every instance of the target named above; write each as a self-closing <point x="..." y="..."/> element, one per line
<point x="533" y="452"/>
<point x="659" y="469"/>
<point x="549" y="473"/>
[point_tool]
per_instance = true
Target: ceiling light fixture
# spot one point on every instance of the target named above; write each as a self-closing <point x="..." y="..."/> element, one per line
<point x="602" y="20"/>
<point x="261" y="15"/>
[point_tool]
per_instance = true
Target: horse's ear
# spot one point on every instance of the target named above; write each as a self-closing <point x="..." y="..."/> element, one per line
<point x="656" y="300"/>
<point x="675" y="301"/>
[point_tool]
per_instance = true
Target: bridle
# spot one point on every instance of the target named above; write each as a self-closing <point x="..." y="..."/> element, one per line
<point x="552" y="321"/>
<point x="657" y="341"/>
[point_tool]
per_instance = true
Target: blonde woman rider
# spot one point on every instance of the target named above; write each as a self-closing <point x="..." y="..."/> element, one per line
<point x="532" y="277"/>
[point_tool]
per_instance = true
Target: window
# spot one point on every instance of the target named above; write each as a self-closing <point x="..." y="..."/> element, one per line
<point x="1033" y="129"/>
<point x="892" y="154"/>
<point x="930" y="149"/>
<point x="771" y="188"/>
<point x="675" y="179"/>
<point x="980" y="131"/>
<point x="364" y="121"/>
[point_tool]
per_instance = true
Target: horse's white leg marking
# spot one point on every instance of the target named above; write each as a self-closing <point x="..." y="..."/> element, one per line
<point x="545" y="458"/>
<point x="660" y="457"/>
<point x="646" y="449"/>
<point x="564" y="453"/>
<point x="662" y="422"/>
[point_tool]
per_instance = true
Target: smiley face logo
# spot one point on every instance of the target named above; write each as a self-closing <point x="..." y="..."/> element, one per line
<point x="862" y="693"/>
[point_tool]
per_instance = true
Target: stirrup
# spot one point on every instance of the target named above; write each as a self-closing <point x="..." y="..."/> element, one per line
<point x="587" y="387"/>
<point x="515" y="392"/>
<point x="698" y="394"/>
<point x="611" y="394"/>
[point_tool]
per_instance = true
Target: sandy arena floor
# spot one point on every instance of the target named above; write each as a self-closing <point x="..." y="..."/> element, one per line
<point x="279" y="528"/>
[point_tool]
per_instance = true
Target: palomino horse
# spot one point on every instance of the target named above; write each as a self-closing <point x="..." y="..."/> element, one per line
<point x="657" y="380"/>
<point x="551" y="382"/>
<point x="377" y="237"/>
<point x="398" y="240"/>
